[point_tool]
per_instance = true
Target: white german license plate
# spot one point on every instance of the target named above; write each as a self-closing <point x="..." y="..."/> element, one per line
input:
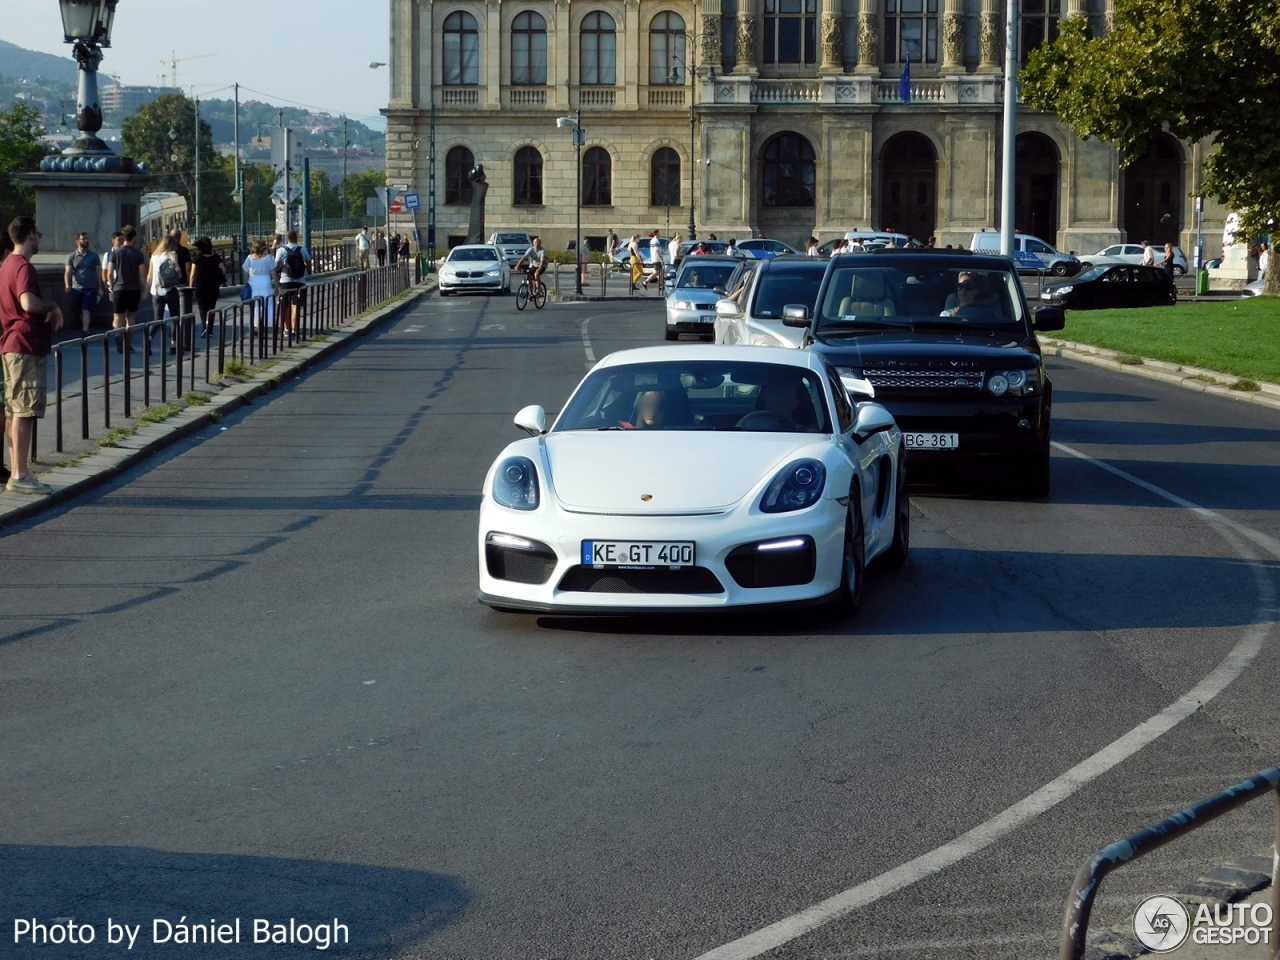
<point x="707" y="318"/>
<point x="637" y="553"/>
<point x="932" y="441"/>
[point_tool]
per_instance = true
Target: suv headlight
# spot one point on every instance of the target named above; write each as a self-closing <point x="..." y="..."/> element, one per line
<point x="516" y="484"/>
<point x="796" y="486"/>
<point x="1014" y="383"/>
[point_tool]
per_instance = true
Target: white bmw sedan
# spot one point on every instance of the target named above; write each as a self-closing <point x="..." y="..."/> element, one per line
<point x="474" y="268"/>
<point x="684" y="479"/>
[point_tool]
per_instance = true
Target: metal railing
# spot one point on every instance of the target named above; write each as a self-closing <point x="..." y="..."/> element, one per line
<point x="249" y="331"/>
<point x="329" y="258"/>
<point x="1075" y="925"/>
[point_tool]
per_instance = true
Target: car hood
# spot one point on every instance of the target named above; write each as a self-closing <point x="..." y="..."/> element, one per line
<point x="926" y="351"/>
<point x="695" y="471"/>
<point x="697" y="294"/>
<point x="471" y="264"/>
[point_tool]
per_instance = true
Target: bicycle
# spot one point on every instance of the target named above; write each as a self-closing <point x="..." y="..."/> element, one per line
<point x="531" y="288"/>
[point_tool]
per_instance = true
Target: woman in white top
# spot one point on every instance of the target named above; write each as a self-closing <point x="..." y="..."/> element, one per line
<point x="262" y="274"/>
<point x="164" y="277"/>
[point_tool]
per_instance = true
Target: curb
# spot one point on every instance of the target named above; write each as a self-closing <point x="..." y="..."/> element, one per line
<point x="1191" y="378"/>
<point x="1232" y="882"/>
<point x="106" y="463"/>
<point x="574" y="298"/>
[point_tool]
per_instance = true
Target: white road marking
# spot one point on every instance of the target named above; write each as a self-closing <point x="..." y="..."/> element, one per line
<point x="586" y="344"/>
<point x="1059" y="789"/>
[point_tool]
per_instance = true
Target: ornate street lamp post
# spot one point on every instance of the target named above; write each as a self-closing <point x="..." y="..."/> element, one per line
<point x="87" y="24"/>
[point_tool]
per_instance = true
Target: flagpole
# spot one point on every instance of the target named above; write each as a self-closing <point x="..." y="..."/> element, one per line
<point x="1010" y="126"/>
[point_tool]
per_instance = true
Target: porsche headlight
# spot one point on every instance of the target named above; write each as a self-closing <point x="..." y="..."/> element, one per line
<point x="1015" y="383"/>
<point x="796" y="486"/>
<point x="516" y="484"/>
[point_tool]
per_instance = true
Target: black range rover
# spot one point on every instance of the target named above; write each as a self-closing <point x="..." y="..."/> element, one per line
<point x="949" y="343"/>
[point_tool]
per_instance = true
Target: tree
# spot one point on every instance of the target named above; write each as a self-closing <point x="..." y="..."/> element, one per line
<point x="20" y="152"/>
<point x="146" y="137"/>
<point x="1198" y="68"/>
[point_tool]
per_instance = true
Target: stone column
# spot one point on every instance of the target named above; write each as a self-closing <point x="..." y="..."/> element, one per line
<point x="868" y="38"/>
<point x="422" y="78"/>
<point x="629" y="61"/>
<point x="953" y="35"/>
<point x="710" y="54"/>
<point x="560" y="56"/>
<point x="402" y="54"/>
<point x="832" y="37"/>
<point x="990" y="40"/>
<point x="492" y="66"/>
<point x="1109" y="16"/>
<point x="748" y="45"/>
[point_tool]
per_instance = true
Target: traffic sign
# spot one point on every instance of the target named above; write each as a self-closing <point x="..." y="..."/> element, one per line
<point x="411" y="201"/>
<point x="396" y="205"/>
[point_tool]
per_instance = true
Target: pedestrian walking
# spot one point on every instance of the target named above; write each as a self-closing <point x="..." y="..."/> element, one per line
<point x="262" y="275"/>
<point x="180" y="253"/>
<point x="206" y="278"/>
<point x="673" y="251"/>
<point x="1264" y="261"/>
<point x="1167" y="263"/>
<point x="6" y="248"/>
<point x="1148" y="255"/>
<point x="127" y="283"/>
<point x="658" y="269"/>
<point x="117" y="239"/>
<point x="637" y="263"/>
<point x="404" y="247"/>
<point x="393" y="247"/>
<point x="27" y="322"/>
<point x="363" y="243"/>
<point x="611" y="242"/>
<point x="82" y="278"/>
<point x="732" y="249"/>
<point x="293" y="262"/>
<point x="811" y="247"/>
<point x="164" y="278"/>
<point x="380" y="247"/>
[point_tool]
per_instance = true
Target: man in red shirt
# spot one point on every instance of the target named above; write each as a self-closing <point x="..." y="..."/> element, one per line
<point x="27" y="322"/>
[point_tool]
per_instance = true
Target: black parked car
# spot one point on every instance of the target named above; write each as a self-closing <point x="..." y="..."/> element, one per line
<point x="949" y="343"/>
<point x="1113" y="286"/>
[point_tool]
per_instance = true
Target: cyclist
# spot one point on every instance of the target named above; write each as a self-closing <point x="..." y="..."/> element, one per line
<point x="536" y="256"/>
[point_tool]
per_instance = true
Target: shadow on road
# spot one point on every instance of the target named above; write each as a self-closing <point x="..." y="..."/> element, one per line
<point x="385" y="910"/>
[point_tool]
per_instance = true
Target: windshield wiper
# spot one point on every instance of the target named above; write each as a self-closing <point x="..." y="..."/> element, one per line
<point x="862" y="326"/>
<point x="950" y="325"/>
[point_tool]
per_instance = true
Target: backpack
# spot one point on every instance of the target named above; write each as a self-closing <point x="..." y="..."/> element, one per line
<point x="170" y="275"/>
<point x="295" y="265"/>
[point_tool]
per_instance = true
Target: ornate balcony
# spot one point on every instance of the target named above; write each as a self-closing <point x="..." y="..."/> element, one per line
<point x="595" y="97"/>
<point x="666" y="96"/>
<point x="526" y="98"/>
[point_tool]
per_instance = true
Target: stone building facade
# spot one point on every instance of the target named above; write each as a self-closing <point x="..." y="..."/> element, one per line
<point x="781" y="117"/>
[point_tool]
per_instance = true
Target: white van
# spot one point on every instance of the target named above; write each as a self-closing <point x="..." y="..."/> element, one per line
<point x="1030" y="253"/>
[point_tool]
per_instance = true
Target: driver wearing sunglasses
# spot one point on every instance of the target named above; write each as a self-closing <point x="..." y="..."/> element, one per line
<point x="965" y="302"/>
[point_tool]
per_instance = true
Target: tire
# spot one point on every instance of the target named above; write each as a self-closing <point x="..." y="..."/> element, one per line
<point x="522" y="296"/>
<point x="1178" y="271"/>
<point x="853" y="568"/>
<point x="540" y="296"/>
<point x="900" y="550"/>
<point x="672" y="334"/>
<point x="1033" y="474"/>
<point x="1059" y="269"/>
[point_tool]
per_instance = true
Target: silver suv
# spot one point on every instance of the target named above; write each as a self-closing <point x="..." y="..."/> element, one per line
<point x="751" y="311"/>
<point x="512" y="243"/>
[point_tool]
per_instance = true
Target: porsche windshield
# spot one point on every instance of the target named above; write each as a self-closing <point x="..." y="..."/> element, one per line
<point x="867" y="295"/>
<point x="699" y="395"/>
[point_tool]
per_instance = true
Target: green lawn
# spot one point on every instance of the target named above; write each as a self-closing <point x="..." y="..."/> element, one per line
<point x="1240" y="337"/>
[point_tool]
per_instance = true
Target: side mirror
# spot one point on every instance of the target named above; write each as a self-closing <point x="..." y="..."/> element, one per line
<point x="795" y="315"/>
<point x="727" y="308"/>
<point x="872" y="418"/>
<point x="1048" y="319"/>
<point x="719" y="290"/>
<point x="533" y="419"/>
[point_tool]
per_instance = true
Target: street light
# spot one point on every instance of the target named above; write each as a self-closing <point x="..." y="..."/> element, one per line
<point x="87" y="25"/>
<point x="579" y="138"/>
<point x="674" y="77"/>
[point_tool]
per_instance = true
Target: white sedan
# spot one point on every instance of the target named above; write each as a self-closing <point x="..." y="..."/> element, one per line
<point x="682" y="479"/>
<point x="474" y="268"/>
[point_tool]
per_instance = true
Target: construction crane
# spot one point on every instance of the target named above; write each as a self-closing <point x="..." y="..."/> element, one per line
<point x="173" y="61"/>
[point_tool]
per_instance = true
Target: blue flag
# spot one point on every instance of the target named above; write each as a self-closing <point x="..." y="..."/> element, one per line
<point x="904" y="85"/>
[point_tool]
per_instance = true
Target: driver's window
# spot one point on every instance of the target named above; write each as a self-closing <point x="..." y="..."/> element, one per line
<point x="844" y="410"/>
<point x="1111" y="251"/>
<point x="1119" y="275"/>
<point x="1035" y="246"/>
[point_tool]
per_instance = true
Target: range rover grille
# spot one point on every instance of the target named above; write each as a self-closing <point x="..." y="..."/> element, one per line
<point x="908" y="379"/>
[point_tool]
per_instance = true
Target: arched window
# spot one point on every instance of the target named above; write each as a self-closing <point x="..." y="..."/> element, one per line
<point x="597" y="178"/>
<point x="667" y="61"/>
<point x="791" y="31"/>
<point x="529" y="49"/>
<point x="787" y="168"/>
<point x="665" y="170"/>
<point x="461" y="49"/>
<point x="458" y="164"/>
<point x="911" y="30"/>
<point x="528" y="179"/>
<point x="599" y="46"/>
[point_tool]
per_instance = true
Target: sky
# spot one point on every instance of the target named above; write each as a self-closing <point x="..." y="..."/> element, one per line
<point x="324" y="63"/>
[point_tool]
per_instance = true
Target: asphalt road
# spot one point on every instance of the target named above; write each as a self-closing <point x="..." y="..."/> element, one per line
<point x="251" y="680"/>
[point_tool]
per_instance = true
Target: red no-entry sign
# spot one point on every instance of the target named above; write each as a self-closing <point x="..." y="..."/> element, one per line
<point x="396" y="205"/>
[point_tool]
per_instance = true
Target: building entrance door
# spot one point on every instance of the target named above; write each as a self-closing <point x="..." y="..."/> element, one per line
<point x="909" y="186"/>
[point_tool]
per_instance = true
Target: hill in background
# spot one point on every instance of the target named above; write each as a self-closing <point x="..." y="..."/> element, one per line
<point x="16" y="61"/>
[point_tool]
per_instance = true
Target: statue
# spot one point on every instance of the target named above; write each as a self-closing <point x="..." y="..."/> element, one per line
<point x="479" y="187"/>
